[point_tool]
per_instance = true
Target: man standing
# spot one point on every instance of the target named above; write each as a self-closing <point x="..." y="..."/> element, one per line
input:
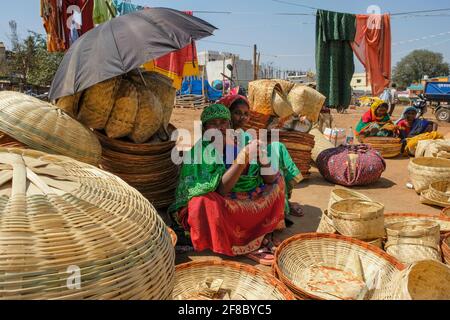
<point x="390" y="96"/>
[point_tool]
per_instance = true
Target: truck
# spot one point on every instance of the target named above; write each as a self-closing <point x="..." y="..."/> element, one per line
<point x="437" y="94"/>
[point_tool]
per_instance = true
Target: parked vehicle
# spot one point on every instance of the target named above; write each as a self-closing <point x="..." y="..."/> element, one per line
<point x="421" y="105"/>
<point x="437" y="94"/>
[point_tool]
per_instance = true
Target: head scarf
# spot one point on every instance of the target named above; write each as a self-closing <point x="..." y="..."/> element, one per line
<point x="373" y="109"/>
<point x="407" y="109"/>
<point x="228" y="100"/>
<point x="215" y="111"/>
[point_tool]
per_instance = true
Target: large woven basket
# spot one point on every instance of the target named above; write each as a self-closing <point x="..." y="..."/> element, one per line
<point x="72" y="231"/>
<point x="445" y="247"/>
<point x="9" y="142"/>
<point x="438" y="194"/>
<point x="446" y="212"/>
<point x="425" y="171"/>
<point x="359" y="219"/>
<point x="240" y="281"/>
<point x="424" y="280"/>
<point x="321" y="143"/>
<point x="444" y="222"/>
<point x="387" y="146"/>
<point x="296" y="255"/>
<point x="414" y="240"/>
<point x="262" y="94"/>
<point x="341" y="193"/>
<point x="326" y="223"/>
<point x="44" y="127"/>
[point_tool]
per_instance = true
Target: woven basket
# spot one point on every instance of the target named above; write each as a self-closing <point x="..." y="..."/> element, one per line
<point x="414" y="240"/>
<point x="445" y="247"/>
<point x="425" y="171"/>
<point x="296" y="255"/>
<point x="9" y="142"/>
<point x="444" y="222"/>
<point x="61" y="217"/>
<point x="339" y="194"/>
<point x="387" y="146"/>
<point x="377" y="243"/>
<point x="240" y="281"/>
<point x="438" y="194"/>
<point x="424" y="280"/>
<point x="446" y="212"/>
<point x="42" y="126"/>
<point x="306" y="101"/>
<point x="359" y="219"/>
<point x="262" y="94"/>
<point x="173" y="236"/>
<point x="326" y="224"/>
<point x="69" y="104"/>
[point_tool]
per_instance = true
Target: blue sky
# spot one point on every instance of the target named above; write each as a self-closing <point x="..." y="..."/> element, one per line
<point x="286" y="40"/>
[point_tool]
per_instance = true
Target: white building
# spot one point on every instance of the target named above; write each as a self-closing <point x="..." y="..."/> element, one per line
<point x="359" y="83"/>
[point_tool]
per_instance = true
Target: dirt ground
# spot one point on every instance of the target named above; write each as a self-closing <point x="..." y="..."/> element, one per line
<point x="313" y="193"/>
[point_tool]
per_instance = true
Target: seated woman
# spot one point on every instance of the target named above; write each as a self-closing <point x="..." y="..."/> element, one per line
<point x="240" y="108"/>
<point x="413" y="130"/>
<point x="229" y="208"/>
<point x="376" y="122"/>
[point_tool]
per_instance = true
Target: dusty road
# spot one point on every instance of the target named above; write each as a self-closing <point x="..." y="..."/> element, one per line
<point x="314" y="192"/>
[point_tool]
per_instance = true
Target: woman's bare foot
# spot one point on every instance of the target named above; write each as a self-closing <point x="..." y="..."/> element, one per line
<point x="296" y="209"/>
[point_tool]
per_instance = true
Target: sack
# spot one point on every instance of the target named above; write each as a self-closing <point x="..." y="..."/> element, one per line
<point x="354" y="165"/>
<point x="69" y="104"/>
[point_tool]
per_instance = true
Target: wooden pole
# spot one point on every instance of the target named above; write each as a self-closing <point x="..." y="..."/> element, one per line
<point x="255" y="66"/>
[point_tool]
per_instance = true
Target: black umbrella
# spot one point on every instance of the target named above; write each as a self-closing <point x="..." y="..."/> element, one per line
<point x="123" y="44"/>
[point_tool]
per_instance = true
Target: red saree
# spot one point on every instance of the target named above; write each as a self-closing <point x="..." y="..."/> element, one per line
<point x="236" y="224"/>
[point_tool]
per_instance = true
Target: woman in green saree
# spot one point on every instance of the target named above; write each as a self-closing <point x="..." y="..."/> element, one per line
<point x="376" y="122"/>
<point x="229" y="207"/>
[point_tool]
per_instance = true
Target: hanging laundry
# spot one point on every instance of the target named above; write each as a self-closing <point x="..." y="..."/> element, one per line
<point x="76" y="19"/>
<point x="125" y="6"/>
<point x="178" y="64"/>
<point x="334" y="56"/>
<point x="51" y="16"/>
<point x="372" y="46"/>
<point x="101" y="11"/>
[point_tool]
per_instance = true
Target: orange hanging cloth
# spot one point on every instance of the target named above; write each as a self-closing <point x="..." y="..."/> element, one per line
<point x="372" y="46"/>
<point x="177" y="65"/>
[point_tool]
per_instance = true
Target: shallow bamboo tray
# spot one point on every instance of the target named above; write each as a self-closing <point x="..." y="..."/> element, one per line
<point x="387" y="146"/>
<point x="425" y="171"/>
<point x="243" y="282"/>
<point x="60" y="216"/>
<point x="296" y="254"/>
<point x="438" y="194"/>
<point x="444" y="222"/>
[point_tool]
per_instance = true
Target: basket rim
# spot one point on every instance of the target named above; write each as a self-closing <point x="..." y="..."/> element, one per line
<point x="349" y="215"/>
<point x="446" y="243"/>
<point x="429" y="224"/>
<point x="241" y="267"/>
<point x="419" y="216"/>
<point x="317" y="236"/>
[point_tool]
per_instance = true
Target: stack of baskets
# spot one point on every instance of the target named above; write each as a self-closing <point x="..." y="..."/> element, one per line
<point x="225" y="280"/>
<point x="387" y="146"/>
<point x="414" y="240"/>
<point x="148" y="167"/>
<point x="72" y="231"/>
<point x="25" y="120"/>
<point x="300" y="146"/>
<point x="438" y="194"/>
<point x="446" y="248"/>
<point x="443" y="221"/>
<point x="425" y="171"/>
<point x="326" y="266"/>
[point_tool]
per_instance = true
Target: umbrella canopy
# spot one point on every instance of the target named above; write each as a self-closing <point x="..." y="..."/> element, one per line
<point x="123" y="44"/>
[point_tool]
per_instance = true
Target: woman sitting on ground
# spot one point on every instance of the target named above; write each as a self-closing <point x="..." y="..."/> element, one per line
<point x="240" y="107"/>
<point x="413" y="130"/>
<point x="229" y="208"/>
<point x="376" y="122"/>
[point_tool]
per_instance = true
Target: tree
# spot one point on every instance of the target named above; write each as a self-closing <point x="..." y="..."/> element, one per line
<point x="29" y="60"/>
<point x="418" y="64"/>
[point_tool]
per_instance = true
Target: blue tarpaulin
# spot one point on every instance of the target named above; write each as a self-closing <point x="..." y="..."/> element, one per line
<point x="193" y="85"/>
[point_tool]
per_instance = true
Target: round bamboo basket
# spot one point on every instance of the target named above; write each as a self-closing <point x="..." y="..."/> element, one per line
<point x="446" y="212"/>
<point x="240" y="282"/>
<point x="262" y="94"/>
<point x="61" y="217"/>
<point x="387" y="146"/>
<point x="438" y="194"/>
<point x="296" y="255"/>
<point x="326" y="224"/>
<point x="339" y="194"/>
<point x="446" y="248"/>
<point x="444" y="222"/>
<point x="414" y="240"/>
<point x="44" y="127"/>
<point x="425" y="171"/>
<point x="358" y="219"/>
<point x="423" y="280"/>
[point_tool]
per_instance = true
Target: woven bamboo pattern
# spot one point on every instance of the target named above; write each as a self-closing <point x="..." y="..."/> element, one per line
<point x="445" y="247"/>
<point x="262" y="94"/>
<point x="306" y="102"/>
<point x="57" y="213"/>
<point x="424" y="280"/>
<point x="240" y="281"/>
<point x="359" y="219"/>
<point x="148" y="167"/>
<point x="446" y="212"/>
<point x="97" y="103"/>
<point x="300" y="146"/>
<point x="69" y="104"/>
<point x="425" y="171"/>
<point x="191" y="101"/>
<point x="9" y="142"/>
<point x="438" y="194"/>
<point x="173" y="236"/>
<point x="341" y="193"/>
<point x="377" y="243"/>
<point x="326" y="224"/>
<point x="44" y="127"/>
<point x="298" y="253"/>
<point x="444" y="222"/>
<point x="387" y="146"/>
<point x="414" y="240"/>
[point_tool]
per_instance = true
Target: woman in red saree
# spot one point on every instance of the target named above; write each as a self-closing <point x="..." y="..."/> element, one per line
<point x="229" y="208"/>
